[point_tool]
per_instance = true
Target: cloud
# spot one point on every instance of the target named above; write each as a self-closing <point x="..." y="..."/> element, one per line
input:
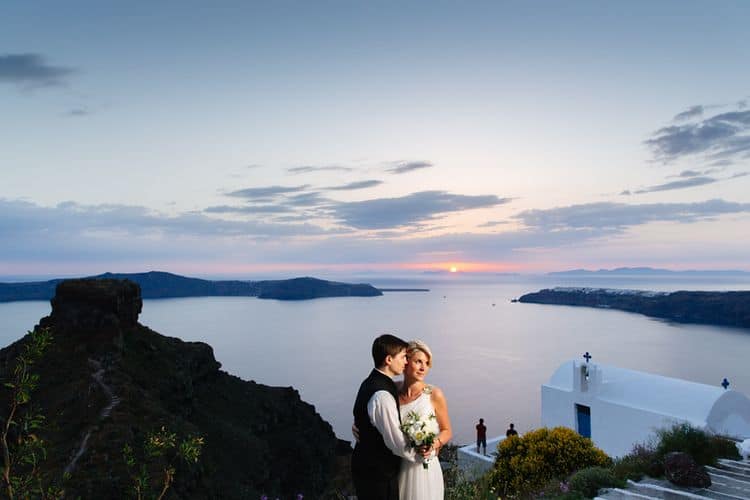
<point x="356" y="185"/>
<point x="618" y="216"/>
<point x="274" y="200"/>
<point x="415" y="208"/>
<point x="307" y="200"/>
<point x="31" y="71"/>
<point x="306" y="169"/>
<point x="248" y="210"/>
<point x="266" y="192"/>
<point x="725" y="136"/>
<point x="682" y="184"/>
<point x="691" y="112"/>
<point x="688" y="179"/>
<point x="494" y="223"/>
<point x="84" y="235"/>
<point x="77" y="112"/>
<point x="691" y="173"/>
<point x="73" y="220"/>
<point x="402" y="167"/>
<point x="721" y="163"/>
<point x="105" y="237"/>
<point x="551" y="230"/>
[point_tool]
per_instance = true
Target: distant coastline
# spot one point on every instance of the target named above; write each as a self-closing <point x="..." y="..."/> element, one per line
<point x="651" y="272"/>
<point x="404" y="289"/>
<point x="711" y="308"/>
<point x="162" y="285"/>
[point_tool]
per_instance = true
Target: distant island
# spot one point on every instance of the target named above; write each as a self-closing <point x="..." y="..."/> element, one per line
<point x="648" y="272"/>
<point x="712" y="308"/>
<point x="161" y="285"/>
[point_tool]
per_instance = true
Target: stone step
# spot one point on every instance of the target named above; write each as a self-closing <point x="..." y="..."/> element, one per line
<point x="730" y="481"/>
<point x="735" y="464"/>
<point x="727" y="472"/>
<point x="620" y="494"/>
<point x="729" y="485"/>
<point x="662" y="491"/>
<point x="719" y="496"/>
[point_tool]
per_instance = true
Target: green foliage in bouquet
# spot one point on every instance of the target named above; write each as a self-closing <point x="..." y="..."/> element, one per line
<point x="525" y="464"/>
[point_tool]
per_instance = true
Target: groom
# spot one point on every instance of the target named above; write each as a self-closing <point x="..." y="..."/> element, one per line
<point x="377" y="455"/>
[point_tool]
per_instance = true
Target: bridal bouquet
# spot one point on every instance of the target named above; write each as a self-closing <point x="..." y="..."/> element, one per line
<point x="420" y="430"/>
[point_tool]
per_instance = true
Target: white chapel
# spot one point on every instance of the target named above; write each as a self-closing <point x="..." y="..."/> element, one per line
<point x="618" y="408"/>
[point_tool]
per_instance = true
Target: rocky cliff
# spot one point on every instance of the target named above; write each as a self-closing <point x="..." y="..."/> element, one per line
<point x="715" y="308"/>
<point x="108" y="380"/>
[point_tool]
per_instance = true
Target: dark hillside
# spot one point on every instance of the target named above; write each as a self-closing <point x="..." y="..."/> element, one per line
<point x="259" y="439"/>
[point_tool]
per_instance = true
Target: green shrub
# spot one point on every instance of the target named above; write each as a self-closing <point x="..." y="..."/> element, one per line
<point x="477" y="489"/>
<point x="526" y="464"/>
<point x="568" y="496"/>
<point x="705" y="448"/>
<point x="557" y="490"/>
<point x="459" y="487"/>
<point x="641" y="461"/>
<point x="589" y="481"/>
<point x="725" y="448"/>
<point x="21" y="445"/>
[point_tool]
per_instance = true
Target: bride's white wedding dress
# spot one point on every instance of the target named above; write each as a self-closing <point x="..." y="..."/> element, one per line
<point x="414" y="481"/>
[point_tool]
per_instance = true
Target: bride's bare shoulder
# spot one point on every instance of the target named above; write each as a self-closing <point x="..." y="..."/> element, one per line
<point x="436" y="392"/>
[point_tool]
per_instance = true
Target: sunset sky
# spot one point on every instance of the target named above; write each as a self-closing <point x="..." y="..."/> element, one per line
<point x="315" y="137"/>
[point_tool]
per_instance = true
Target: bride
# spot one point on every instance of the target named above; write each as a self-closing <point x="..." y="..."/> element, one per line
<point x="414" y="481"/>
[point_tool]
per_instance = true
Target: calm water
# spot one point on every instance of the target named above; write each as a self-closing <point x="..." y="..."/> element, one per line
<point x="489" y="360"/>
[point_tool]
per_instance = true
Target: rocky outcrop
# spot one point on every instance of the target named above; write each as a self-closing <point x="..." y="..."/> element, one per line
<point x="107" y="381"/>
<point x="682" y="470"/>
<point x="714" y="308"/>
<point x="94" y="305"/>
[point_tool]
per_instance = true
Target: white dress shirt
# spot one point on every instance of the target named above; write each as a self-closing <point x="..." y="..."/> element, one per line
<point x="381" y="408"/>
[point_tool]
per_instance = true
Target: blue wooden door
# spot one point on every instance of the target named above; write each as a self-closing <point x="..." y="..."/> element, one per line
<point x="583" y="418"/>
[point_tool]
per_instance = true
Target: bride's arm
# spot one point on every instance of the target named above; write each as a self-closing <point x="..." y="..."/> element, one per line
<point x="443" y="420"/>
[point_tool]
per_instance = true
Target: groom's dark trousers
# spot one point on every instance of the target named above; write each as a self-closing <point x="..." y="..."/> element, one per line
<point x="374" y="467"/>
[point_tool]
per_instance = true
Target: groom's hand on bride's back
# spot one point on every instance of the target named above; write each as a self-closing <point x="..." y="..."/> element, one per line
<point x="355" y="432"/>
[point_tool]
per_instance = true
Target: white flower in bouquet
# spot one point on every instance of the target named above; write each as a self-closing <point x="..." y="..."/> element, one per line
<point x="420" y="430"/>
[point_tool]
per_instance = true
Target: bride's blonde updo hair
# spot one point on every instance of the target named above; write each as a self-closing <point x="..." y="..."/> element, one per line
<point x="418" y="345"/>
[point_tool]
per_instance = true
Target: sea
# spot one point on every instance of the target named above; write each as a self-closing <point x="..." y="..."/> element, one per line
<point x="491" y="355"/>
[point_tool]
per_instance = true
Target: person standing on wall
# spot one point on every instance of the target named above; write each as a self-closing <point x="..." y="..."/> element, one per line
<point x="481" y="436"/>
<point x="511" y="431"/>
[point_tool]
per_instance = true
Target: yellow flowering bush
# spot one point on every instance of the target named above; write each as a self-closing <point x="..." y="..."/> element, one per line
<point x="525" y="464"/>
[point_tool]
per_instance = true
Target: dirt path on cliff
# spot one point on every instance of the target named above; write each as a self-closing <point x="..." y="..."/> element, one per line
<point x="114" y="400"/>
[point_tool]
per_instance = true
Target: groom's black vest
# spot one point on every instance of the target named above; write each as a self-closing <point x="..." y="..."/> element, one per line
<point x="371" y="455"/>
